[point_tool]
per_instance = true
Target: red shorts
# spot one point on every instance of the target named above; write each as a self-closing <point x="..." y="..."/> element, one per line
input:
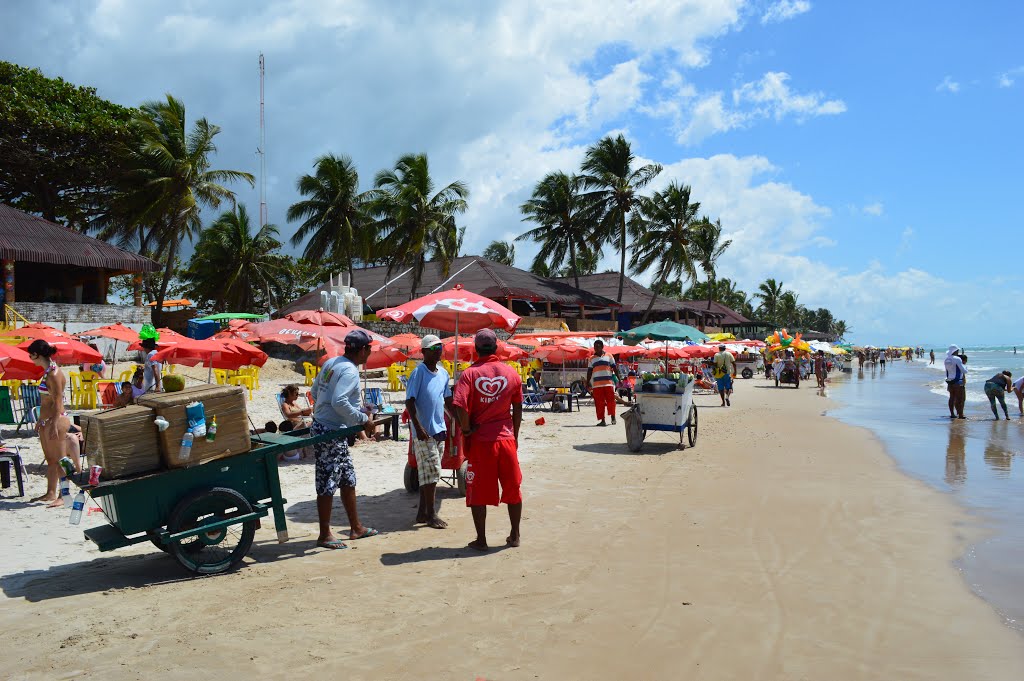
<point x="489" y="464"/>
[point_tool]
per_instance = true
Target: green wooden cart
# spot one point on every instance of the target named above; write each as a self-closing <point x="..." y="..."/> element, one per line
<point x="205" y="516"/>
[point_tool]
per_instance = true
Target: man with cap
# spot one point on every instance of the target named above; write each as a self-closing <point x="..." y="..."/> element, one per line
<point x="956" y="380"/>
<point x="725" y="371"/>
<point x="489" y="407"/>
<point x="338" y="405"/>
<point x="427" y="393"/>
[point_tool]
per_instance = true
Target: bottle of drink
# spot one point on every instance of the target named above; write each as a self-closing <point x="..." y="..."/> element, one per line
<point x="68" y="465"/>
<point x="211" y="430"/>
<point x="185" y="453"/>
<point x="77" y="508"/>
<point x="65" y="492"/>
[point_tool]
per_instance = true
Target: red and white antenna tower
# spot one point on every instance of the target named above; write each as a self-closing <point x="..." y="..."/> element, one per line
<point x="263" y="155"/>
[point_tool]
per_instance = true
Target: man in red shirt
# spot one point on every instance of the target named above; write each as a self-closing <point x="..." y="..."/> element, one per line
<point x="489" y="406"/>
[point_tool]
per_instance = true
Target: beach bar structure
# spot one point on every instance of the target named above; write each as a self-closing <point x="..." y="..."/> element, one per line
<point x="526" y="294"/>
<point x="636" y="298"/>
<point x="44" y="262"/>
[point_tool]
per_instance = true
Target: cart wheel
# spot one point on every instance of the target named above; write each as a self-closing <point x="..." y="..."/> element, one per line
<point x="747" y="373"/>
<point x="460" y="475"/>
<point x="159" y="544"/>
<point x="412" y="479"/>
<point x="634" y="430"/>
<point x="218" y="550"/>
<point x="691" y="426"/>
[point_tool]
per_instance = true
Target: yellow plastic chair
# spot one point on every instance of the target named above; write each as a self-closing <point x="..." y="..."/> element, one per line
<point x="14" y="385"/>
<point x="242" y="379"/>
<point x="394" y="385"/>
<point x="169" y="369"/>
<point x="126" y="376"/>
<point x="311" y="372"/>
<point x="89" y="379"/>
<point x="221" y="376"/>
<point x="77" y="395"/>
<point x="253" y="371"/>
<point x="448" y="366"/>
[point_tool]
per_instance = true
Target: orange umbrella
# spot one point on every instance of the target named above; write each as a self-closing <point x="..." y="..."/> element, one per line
<point x="15" y="364"/>
<point x="69" y="350"/>
<point x="117" y="332"/>
<point x="559" y="353"/>
<point x="407" y="342"/>
<point x="36" y="330"/>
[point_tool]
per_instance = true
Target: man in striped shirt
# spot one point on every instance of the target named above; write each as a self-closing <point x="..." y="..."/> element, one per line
<point x="601" y="382"/>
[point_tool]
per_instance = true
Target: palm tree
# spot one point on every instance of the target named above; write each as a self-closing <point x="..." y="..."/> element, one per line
<point x="707" y="247"/>
<point x="613" y="183"/>
<point x="416" y="222"/>
<point x="563" y="232"/>
<point x="503" y="252"/>
<point x="236" y="269"/>
<point x="663" y="229"/>
<point x="840" y="329"/>
<point x="169" y="182"/>
<point x="333" y="214"/>
<point x="769" y="292"/>
<point x="791" y="312"/>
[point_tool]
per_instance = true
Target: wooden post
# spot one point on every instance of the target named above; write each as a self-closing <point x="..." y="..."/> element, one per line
<point x="137" y="297"/>
<point x="547" y="308"/>
<point x="8" y="268"/>
<point x="676" y="316"/>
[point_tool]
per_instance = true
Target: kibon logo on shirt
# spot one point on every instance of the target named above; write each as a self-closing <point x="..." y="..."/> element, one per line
<point x="490" y="387"/>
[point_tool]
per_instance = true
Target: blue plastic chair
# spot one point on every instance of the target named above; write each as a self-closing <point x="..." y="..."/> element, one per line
<point x="29" y="404"/>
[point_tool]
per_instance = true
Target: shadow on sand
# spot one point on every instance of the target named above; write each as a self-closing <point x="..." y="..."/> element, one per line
<point x="616" y="449"/>
<point x="436" y="553"/>
<point x="393" y="511"/>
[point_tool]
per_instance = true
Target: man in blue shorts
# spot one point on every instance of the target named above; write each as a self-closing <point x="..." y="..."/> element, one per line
<point x="725" y="371"/>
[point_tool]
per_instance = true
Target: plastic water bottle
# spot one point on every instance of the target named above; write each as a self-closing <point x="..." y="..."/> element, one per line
<point x="65" y="492"/>
<point x="185" y="453"/>
<point x="77" y="508"/>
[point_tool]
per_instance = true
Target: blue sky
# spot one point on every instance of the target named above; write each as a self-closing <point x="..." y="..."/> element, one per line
<point x="867" y="154"/>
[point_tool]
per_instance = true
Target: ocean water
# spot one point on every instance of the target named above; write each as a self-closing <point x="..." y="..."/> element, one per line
<point x="979" y="461"/>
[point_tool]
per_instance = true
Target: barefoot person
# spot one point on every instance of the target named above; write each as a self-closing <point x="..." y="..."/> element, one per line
<point x="53" y="422"/>
<point x="820" y="369"/>
<point x="152" y="372"/>
<point x="996" y="389"/>
<point x="292" y="410"/>
<point x="336" y="395"/>
<point x="601" y="382"/>
<point x="724" y="371"/>
<point x="427" y="393"/>
<point x="1018" y="390"/>
<point x="489" y="406"/>
<point x="956" y="379"/>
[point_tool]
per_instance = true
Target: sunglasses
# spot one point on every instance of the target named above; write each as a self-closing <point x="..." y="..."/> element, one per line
<point x="435" y="347"/>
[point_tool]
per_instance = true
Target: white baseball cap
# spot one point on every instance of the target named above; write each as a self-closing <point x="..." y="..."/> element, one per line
<point x="429" y="341"/>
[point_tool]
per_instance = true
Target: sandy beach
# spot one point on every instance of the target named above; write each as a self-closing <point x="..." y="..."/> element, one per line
<point x="786" y="545"/>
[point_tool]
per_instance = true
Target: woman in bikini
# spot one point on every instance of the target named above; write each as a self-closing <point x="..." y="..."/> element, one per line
<point x="298" y="415"/>
<point x="53" y="424"/>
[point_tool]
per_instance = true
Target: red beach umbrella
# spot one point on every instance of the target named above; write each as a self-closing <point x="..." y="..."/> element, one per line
<point x="560" y="353"/>
<point x="36" y="330"/>
<point x="69" y="350"/>
<point x="454" y="310"/>
<point x="117" y="332"/>
<point x="15" y="364"/>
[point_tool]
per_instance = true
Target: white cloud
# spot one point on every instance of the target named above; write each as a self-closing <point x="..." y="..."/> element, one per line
<point x="784" y="10"/>
<point x="1008" y="78"/>
<point x="769" y="97"/>
<point x="906" y="237"/>
<point x="875" y="209"/>
<point x="948" y="85"/>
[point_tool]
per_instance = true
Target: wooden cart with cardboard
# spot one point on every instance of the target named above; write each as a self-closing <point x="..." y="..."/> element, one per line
<point x="204" y="510"/>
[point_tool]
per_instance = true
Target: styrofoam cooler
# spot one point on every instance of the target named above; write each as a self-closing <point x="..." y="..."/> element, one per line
<point x="356" y="310"/>
<point x="662" y="409"/>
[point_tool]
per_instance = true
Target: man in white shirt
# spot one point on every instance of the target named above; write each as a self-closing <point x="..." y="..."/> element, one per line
<point x="956" y="380"/>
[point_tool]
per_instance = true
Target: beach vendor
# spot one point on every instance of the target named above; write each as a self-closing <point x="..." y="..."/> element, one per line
<point x="601" y="382"/>
<point x="152" y="369"/>
<point x="724" y="372"/>
<point x="53" y="423"/>
<point x="489" y="406"/>
<point x="336" y="396"/>
<point x="996" y="389"/>
<point x="427" y="393"/>
<point x="956" y="379"/>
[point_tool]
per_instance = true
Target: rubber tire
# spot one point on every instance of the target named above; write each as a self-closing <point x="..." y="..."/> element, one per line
<point x="159" y="544"/>
<point x="691" y="426"/>
<point x="460" y="476"/>
<point x="747" y="373"/>
<point x="776" y="382"/>
<point x="412" y="479"/>
<point x="180" y="516"/>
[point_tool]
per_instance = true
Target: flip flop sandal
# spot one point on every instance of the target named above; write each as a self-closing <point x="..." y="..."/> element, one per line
<point x="332" y="544"/>
<point x="370" y="532"/>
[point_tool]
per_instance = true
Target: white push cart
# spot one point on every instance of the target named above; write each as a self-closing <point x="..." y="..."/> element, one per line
<point x="672" y="412"/>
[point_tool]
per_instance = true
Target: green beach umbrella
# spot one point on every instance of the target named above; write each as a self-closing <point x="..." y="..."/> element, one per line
<point x="230" y="315"/>
<point x="663" y="331"/>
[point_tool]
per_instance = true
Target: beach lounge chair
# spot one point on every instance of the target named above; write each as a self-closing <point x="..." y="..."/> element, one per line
<point x="534" y="402"/>
<point x="29" y="405"/>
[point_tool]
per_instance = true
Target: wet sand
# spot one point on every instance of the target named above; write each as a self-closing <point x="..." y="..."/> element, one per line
<point x="786" y="545"/>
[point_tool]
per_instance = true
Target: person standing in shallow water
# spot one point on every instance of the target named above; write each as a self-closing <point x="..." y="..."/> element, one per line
<point x="996" y="389"/>
<point x="956" y="379"/>
<point x="931" y="357"/>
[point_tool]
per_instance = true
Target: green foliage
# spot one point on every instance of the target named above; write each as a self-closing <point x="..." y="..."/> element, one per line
<point x="238" y="269"/>
<point x="57" y="141"/>
<point x="503" y="252"/>
<point x="706" y="248"/>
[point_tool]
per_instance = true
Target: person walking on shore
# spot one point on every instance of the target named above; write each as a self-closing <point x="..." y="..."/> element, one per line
<point x="601" y="382"/>
<point x="1018" y="390"/>
<point x="931" y="357"/>
<point x="338" y="405"/>
<point x="820" y="370"/>
<point x="427" y="393"/>
<point x="956" y="378"/>
<point x="489" y="407"/>
<point x="996" y="389"/>
<point x="724" y="372"/>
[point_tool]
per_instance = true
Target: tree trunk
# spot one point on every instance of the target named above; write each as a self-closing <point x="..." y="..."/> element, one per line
<point x="711" y="290"/>
<point x="575" y="269"/>
<point x="654" y="295"/>
<point x="158" y="311"/>
<point x="622" y="248"/>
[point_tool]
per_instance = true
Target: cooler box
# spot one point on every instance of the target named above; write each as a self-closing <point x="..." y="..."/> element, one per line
<point x="226" y="402"/>
<point x="662" y="409"/>
<point x="122" y="441"/>
<point x="201" y="330"/>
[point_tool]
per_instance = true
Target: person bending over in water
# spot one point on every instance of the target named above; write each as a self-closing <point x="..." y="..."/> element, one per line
<point x="1018" y="390"/>
<point x="996" y="389"/>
